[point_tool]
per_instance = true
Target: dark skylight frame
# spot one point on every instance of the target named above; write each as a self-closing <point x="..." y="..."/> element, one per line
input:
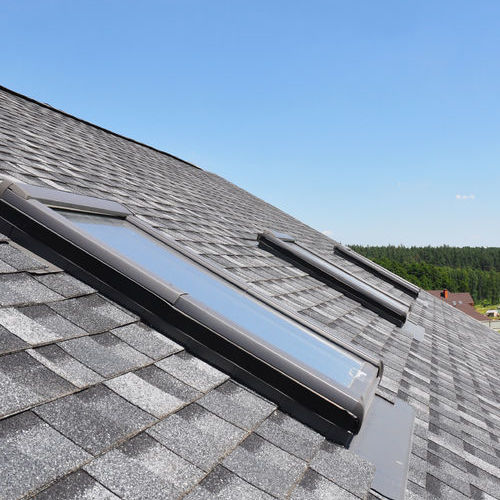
<point x="383" y="273"/>
<point x="373" y="298"/>
<point x="27" y="215"/>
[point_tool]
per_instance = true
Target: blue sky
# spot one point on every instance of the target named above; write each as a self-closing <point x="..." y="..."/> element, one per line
<point x="376" y="122"/>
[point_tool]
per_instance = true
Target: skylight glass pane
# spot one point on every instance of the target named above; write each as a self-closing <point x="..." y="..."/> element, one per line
<point x="255" y="317"/>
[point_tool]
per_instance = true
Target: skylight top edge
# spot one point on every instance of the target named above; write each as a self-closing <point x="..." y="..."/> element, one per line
<point x="67" y="200"/>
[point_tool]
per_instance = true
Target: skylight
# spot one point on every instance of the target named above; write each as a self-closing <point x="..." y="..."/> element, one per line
<point x="316" y="379"/>
<point x="370" y="296"/>
<point x="316" y="355"/>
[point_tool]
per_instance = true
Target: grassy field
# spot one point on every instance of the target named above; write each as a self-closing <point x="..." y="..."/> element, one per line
<point x="482" y="309"/>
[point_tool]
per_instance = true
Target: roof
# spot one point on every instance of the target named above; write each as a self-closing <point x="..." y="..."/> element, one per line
<point x="95" y="404"/>
<point x="462" y="301"/>
<point x="459" y="297"/>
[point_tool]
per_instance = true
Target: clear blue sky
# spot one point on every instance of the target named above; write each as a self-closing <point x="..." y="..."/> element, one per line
<point x="376" y="121"/>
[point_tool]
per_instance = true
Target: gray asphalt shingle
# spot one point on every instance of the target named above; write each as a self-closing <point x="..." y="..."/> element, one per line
<point x="290" y="435"/>
<point x="192" y="371"/>
<point x="10" y="342"/>
<point x="47" y="318"/>
<point x="265" y="466"/>
<point x="146" y="340"/>
<point x="313" y="485"/>
<point x="25" y="328"/>
<point x="67" y="367"/>
<point x="26" y="382"/>
<point x="93" y="313"/>
<point x="77" y="486"/>
<point x="142" y="468"/>
<point x="237" y="405"/>
<point x="32" y="453"/>
<point x="17" y="259"/>
<point x="23" y="289"/>
<point x="158" y="397"/>
<point x="64" y="284"/>
<point x="95" y="418"/>
<point x="197" y="435"/>
<point x="225" y="485"/>
<point x="105" y="354"/>
<point x="344" y="468"/>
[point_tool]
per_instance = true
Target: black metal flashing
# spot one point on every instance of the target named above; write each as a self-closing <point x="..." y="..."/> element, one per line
<point x="371" y="297"/>
<point x="379" y="271"/>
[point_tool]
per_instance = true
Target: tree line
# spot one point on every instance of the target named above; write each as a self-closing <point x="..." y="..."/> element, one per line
<point x="459" y="269"/>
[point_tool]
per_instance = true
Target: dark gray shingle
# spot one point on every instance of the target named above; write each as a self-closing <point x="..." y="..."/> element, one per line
<point x="142" y="468"/>
<point x="197" y="435"/>
<point x="67" y="367"/>
<point x="146" y="340"/>
<point x="265" y="466"/>
<point x="237" y="405"/>
<point x="313" y="485"/>
<point x="26" y="382"/>
<point x="32" y="453"/>
<point x="290" y="435"/>
<point x="23" y="289"/>
<point x="105" y="354"/>
<point x="344" y="468"/>
<point x="225" y="485"/>
<point x="93" y="313"/>
<point x="95" y="418"/>
<point x="77" y="486"/>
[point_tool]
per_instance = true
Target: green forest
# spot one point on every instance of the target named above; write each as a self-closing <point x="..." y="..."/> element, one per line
<point x="459" y="269"/>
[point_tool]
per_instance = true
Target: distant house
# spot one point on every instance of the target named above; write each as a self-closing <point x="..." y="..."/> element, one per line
<point x="462" y="301"/>
<point x="492" y="313"/>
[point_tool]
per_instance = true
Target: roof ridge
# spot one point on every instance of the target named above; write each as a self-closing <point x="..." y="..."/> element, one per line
<point x="86" y="122"/>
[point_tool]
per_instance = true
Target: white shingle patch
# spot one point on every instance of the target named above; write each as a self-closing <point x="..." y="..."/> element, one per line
<point x="25" y="328"/>
<point x="144" y="395"/>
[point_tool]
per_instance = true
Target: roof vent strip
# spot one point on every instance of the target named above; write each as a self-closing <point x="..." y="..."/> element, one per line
<point x="371" y="297"/>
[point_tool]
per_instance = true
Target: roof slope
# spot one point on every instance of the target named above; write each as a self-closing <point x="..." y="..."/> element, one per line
<point x="96" y="404"/>
<point x="450" y="378"/>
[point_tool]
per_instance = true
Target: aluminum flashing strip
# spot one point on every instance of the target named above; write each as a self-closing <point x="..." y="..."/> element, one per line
<point x="385" y="441"/>
<point x="379" y="301"/>
<point x="417" y="331"/>
<point x="282" y="236"/>
<point x="378" y="270"/>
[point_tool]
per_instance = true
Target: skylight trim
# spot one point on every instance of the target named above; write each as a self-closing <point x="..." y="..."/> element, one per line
<point x="372" y="297"/>
<point x="383" y="273"/>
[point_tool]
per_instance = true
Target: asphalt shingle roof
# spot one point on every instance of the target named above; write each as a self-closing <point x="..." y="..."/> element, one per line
<point x="95" y="404"/>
